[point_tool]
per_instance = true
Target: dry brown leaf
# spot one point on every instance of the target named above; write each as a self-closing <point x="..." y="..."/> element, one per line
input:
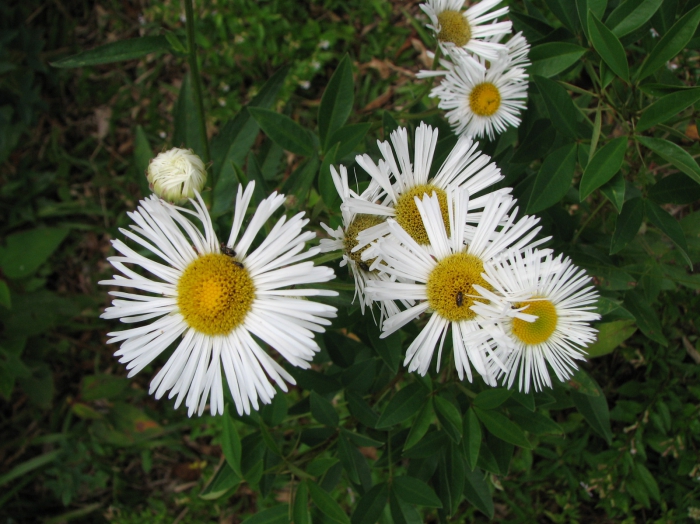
<point x="423" y="57"/>
<point x="692" y="132"/>
<point x="691" y="350"/>
<point x="379" y="101"/>
<point x="103" y="115"/>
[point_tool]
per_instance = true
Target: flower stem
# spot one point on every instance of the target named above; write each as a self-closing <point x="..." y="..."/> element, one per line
<point x="196" y="80"/>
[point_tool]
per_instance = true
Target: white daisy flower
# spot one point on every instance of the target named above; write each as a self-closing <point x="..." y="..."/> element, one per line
<point x="458" y="30"/>
<point x="464" y="168"/>
<point x="176" y="175"/>
<point x="445" y="276"/>
<point x="345" y="239"/>
<point x="543" y="306"/>
<point x="215" y="296"/>
<point x="480" y="101"/>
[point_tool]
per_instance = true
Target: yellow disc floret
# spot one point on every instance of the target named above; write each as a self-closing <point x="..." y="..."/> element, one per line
<point x="454" y="28"/>
<point x="409" y="218"/>
<point x="215" y="293"/>
<point x="450" y="286"/>
<point x="485" y="99"/>
<point x="541" y="329"/>
<point x="359" y="224"/>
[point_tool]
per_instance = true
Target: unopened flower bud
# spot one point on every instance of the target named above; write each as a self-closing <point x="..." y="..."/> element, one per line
<point x="175" y="175"/>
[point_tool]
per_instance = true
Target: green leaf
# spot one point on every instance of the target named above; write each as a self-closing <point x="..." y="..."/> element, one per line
<point x="554" y="178"/>
<point x="235" y="139"/>
<point x="231" y="444"/>
<point x="667" y="107"/>
<point x="582" y="382"/>
<point x="562" y="9"/>
<point x="420" y="426"/>
<point x="433" y="440"/>
<point x="323" y="411"/>
<point x="319" y="466"/>
<point x="476" y="491"/>
<point x="560" y="106"/>
<point x="492" y="398"/>
<point x="301" y="505"/>
<point x="26" y="251"/>
<point x="187" y="131"/>
<point x="647" y="318"/>
<point x="449" y="417"/>
<point x="605" y="163"/>
<point x="360" y="376"/>
<point x="348" y="137"/>
<point x="614" y="190"/>
<point x="631" y="15"/>
<point x="274" y="515"/>
<point x="500" y="426"/>
<point x="102" y="386"/>
<point x="389" y="348"/>
<point x="608" y="47"/>
<point x="327" y="505"/>
<point x="595" y="411"/>
<point x="299" y="182"/>
<point x="353" y="462"/>
<point x="536" y="423"/>
<point x="597" y="7"/>
<point x="415" y="491"/>
<point x="325" y="180"/>
<point x="673" y="154"/>
<point x="284" y="131"/>
<point x="648" y="481"/>
<point x="361" y="440"/>
<point x="627" y="225"/>
<point x="552" y="58"/>
<point x="371" y="506"/>
<point x="337" y="101"/>
<point x="224" y="480"/>
<point x="672" y="43"/>
<point x="29" y="465"/>
<point x="403" y="512"/>
<point x="403" y="405"/>
<point x="472" y="438"/>
<point x="5" y="297"/>
<point x="360" y="409"/>
<point x="115" y="52"/>
<point x="610" y="336"/>
<point x="675" y="188"/>
<point x="669" y="226"/>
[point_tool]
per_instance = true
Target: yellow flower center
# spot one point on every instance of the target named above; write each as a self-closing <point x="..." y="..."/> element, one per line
<point x="409" y="218"/>
<point x="450" y="286"/>
<point x="485" y="99"/>
<point x="541" y="329"/>
<point x="215" y="293"/>
<point x="454" y="28"/>
<point x="358" y="224"/>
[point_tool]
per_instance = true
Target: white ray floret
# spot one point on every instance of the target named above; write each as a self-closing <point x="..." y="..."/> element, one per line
<point x="344" y="237"/>
<point x="543" y="306"/>
<point x="474" y="30"/>
<point x="193" y="297"/>
<point x="442" y="276"/>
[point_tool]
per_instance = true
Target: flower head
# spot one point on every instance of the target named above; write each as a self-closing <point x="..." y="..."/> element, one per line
<point x="543" y="307"/>
<point x="176" y="175"/>
<point x="403" y="178"/>
<point x="470" y="31"/>
<point x="444" y="279"/>
<point x="344" y="238"/>
<point x="211" y="298"/>
<point x="483" y="101"/>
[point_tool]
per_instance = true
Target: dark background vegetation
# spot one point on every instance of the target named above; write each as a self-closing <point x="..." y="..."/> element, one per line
<point x="79" y="442"/>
